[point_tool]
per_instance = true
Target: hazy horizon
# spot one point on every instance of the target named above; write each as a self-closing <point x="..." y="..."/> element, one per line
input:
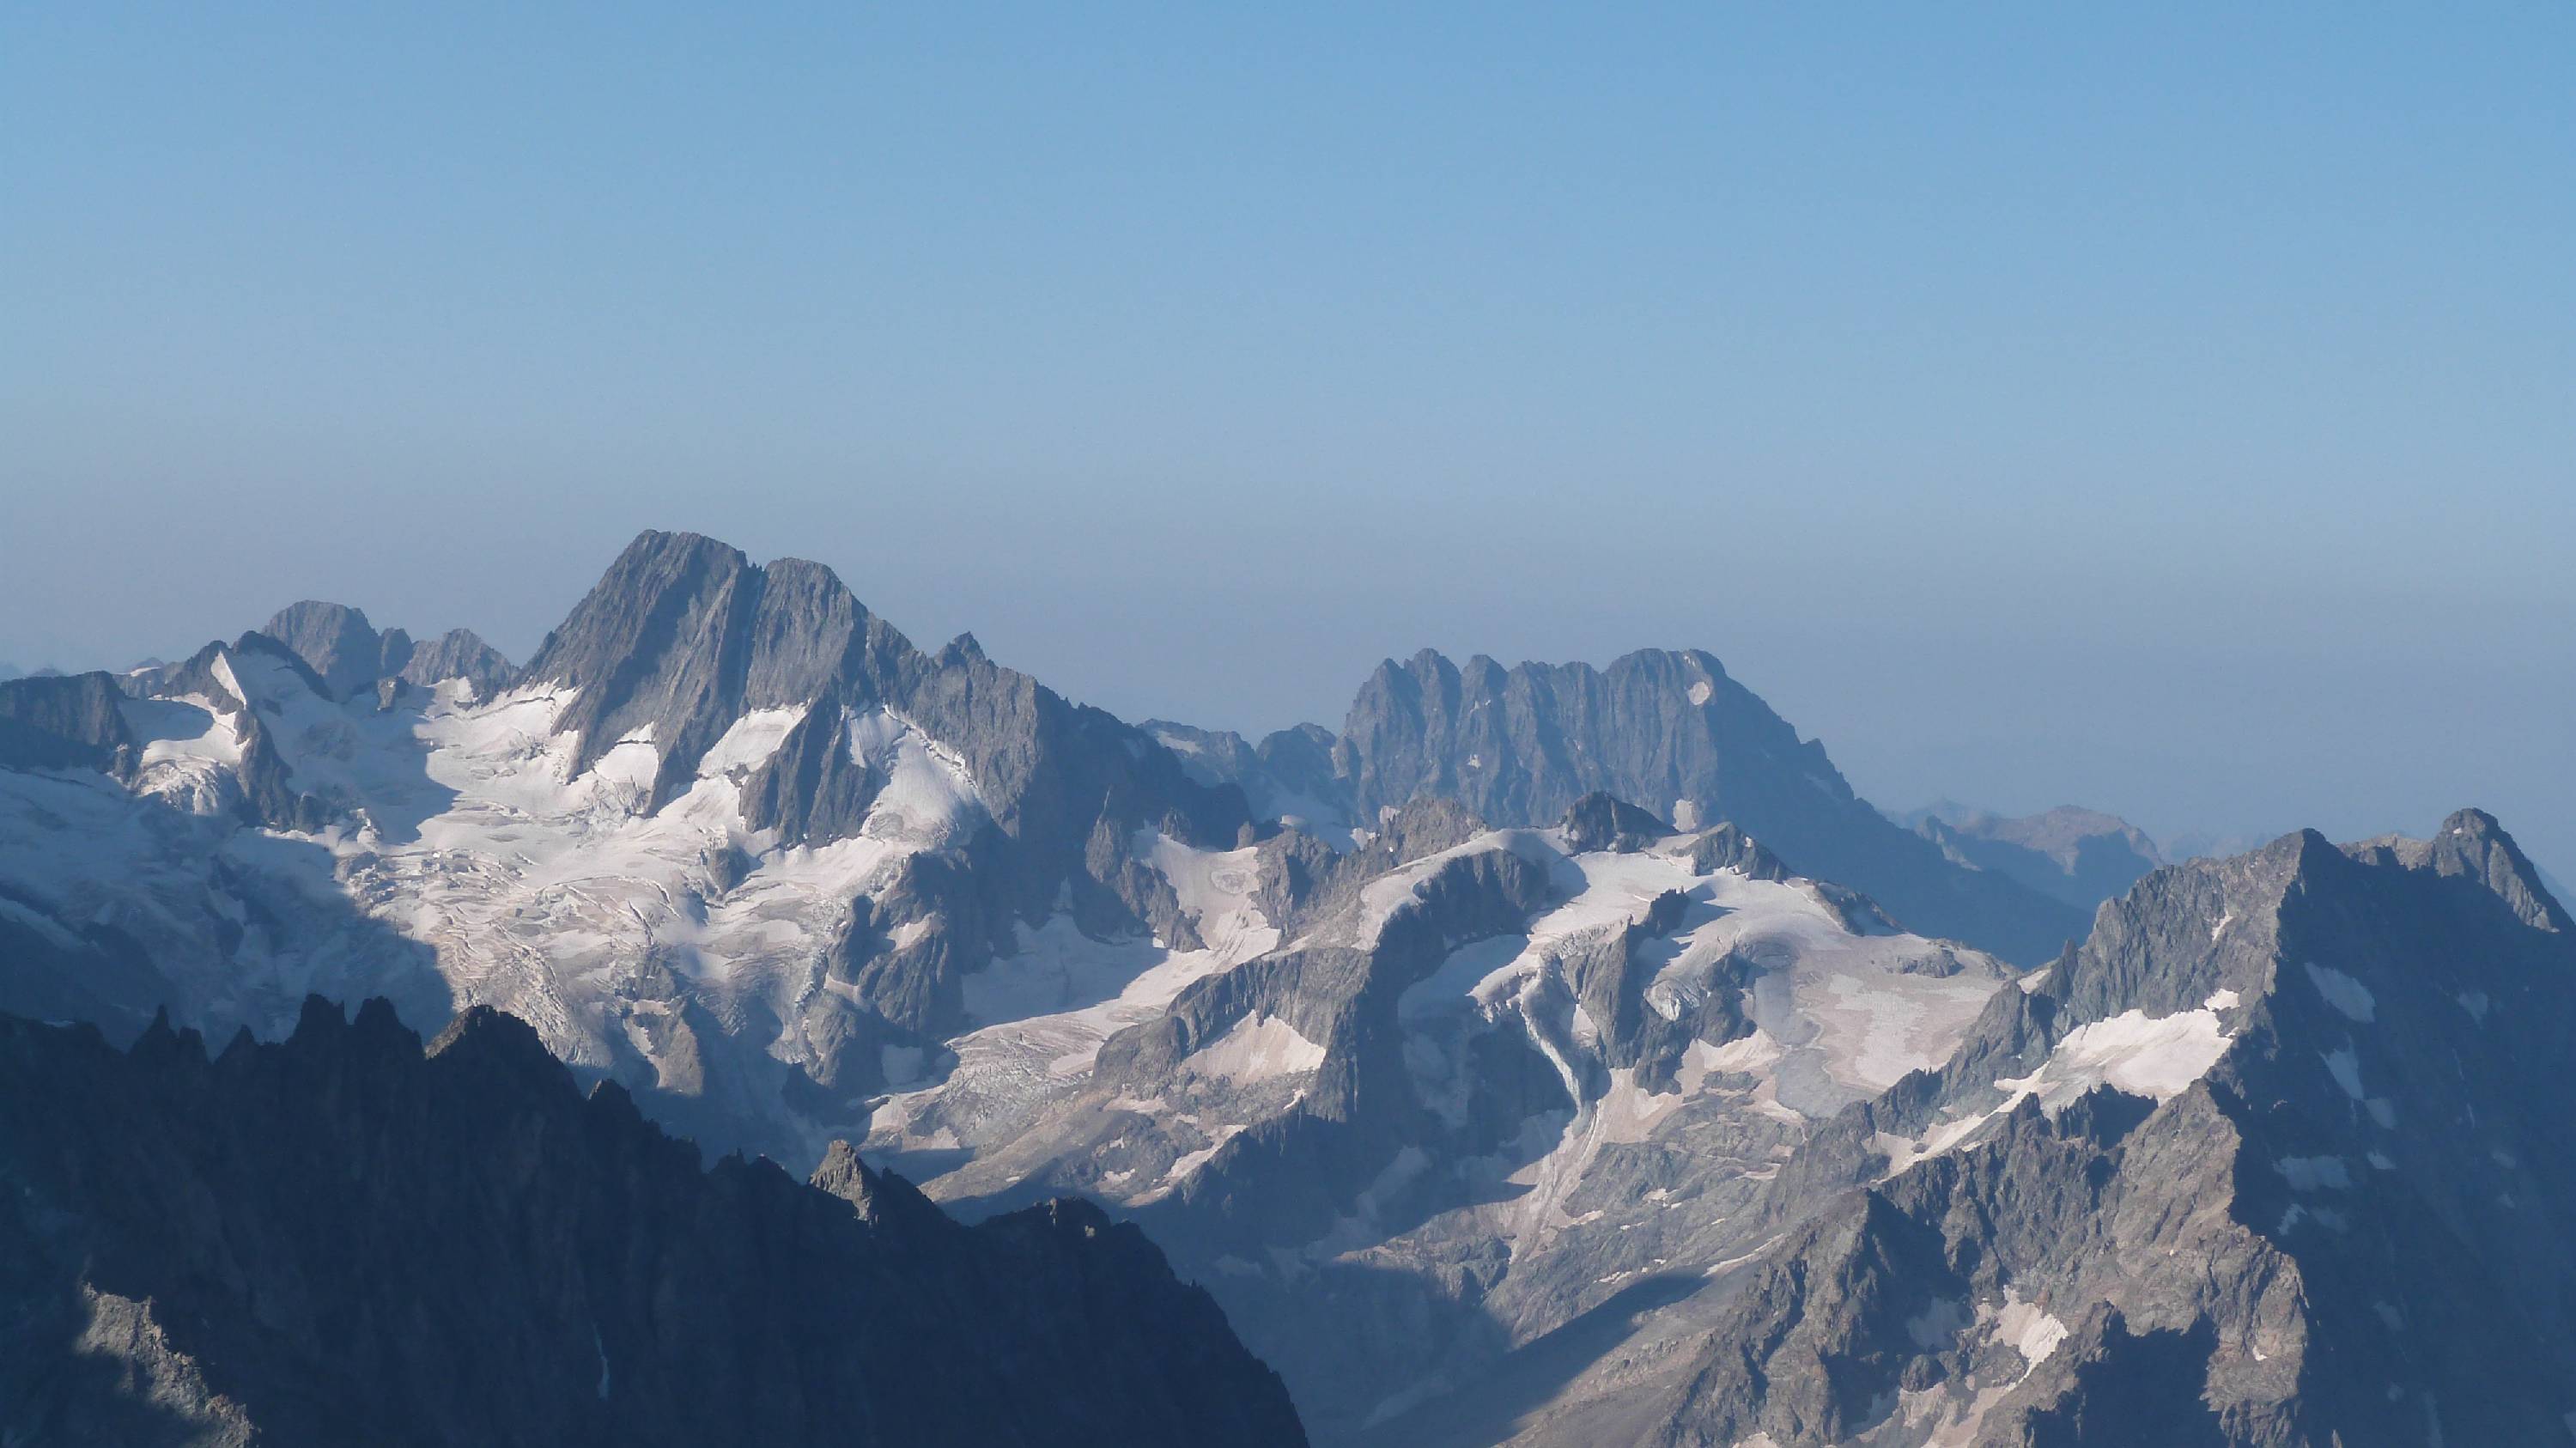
<point x="2172" y="414"/>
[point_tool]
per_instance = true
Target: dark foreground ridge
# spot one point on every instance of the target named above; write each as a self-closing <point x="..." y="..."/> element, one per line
<point x="343" y="1238"/>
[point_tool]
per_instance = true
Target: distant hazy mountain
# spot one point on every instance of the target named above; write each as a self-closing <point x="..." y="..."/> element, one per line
<point x="2080" y="856"/>
<point x="341" y="1239"/>
<point x="2210" y="845"/>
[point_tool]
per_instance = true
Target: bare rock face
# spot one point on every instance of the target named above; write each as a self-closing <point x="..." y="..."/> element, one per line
<point x="456" y="654"/>
<point x="351" y="659"/>
<point x="338" y="644"/>
<point x="1672" y="733"/>
<point x="1599" y="822"/>
<point x="64" y="721"/>
<point x="341" y="1238"/>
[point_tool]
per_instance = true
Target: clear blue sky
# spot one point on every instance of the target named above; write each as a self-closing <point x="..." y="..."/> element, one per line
<point x="2173" y="411"/>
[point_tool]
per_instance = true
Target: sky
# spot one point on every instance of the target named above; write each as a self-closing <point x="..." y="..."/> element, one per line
<point x="2166" y="409"/>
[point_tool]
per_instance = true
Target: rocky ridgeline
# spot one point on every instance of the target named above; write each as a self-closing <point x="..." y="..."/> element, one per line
<point x="1669" y="732"/>
<point x="342" y="1238"/>
<point x="2278" y="1157"/>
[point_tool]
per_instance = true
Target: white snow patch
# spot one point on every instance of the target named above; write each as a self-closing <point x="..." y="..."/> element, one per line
<point x="2314" y="1173"/>
<point x="1257" y="1048"/>
<point x="1190" y="1161"/>
<point x="750" y="741"/>
<point x="929" y="799"/>
<point x="2343" y="993"/>
<point x="1214" y="888"/>
<point x="2033" y="1332"/>
<point x="2152" y="1056"/>
<point x="2221" y="1000"/>
<point x="1700" y="692"/>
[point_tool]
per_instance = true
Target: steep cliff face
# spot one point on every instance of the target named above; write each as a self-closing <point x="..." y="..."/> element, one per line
<point x="64" y="721"/>
<point x="342" y="1238"/>
<point x="1667" y="731"/>
<point x="1670" y="731"/>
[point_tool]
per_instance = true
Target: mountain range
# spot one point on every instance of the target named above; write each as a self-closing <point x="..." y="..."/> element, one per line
<point x="1551" y="1055"/>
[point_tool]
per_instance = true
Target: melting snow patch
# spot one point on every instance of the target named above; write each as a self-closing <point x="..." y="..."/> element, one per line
<point x="1258" y="1050"/>
<point x="2344" y="1064"/>
<point x="2313" y="1173"/>
<point x="2032" y="1332"/>
<point x="1700" y="692"/>
<point x="2152" y="1056"/>
<point x="2343" y="992"/>
<point x="750" y="741"/>
<point x="2475" y="1003"/>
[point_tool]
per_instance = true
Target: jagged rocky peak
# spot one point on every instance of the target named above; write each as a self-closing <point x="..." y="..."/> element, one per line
<point x="342" y="1238"/>
<point x="1729" y="848"/>
<point x="2470" y="844"/>
<point x="351" y="659"/>
<point x="459" y="653"/>
<point x="338" y="644"/>
<point x="683" y="635"/>
<point x="1672" y="733"/>
<point x="1601" y="822"/>
<point x="1523" y="743"/>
